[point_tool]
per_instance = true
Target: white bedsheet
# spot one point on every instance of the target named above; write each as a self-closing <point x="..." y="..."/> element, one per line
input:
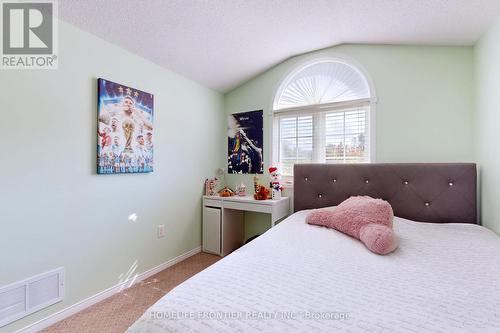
<point x="302" y="278"/>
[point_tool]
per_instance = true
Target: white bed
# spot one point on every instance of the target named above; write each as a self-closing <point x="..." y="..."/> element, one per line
<point x="302" y="278"/>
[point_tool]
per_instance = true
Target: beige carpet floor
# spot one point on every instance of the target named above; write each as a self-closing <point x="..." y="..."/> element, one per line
<point x="118" y="312"/>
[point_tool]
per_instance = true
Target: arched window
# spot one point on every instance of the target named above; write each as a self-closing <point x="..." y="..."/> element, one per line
<point x="322" y="115"/>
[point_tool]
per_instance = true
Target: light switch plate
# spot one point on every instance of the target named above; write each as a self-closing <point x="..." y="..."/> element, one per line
<point x="161" y="230"/>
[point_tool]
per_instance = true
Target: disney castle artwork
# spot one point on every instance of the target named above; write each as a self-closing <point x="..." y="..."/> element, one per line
<point x="125" y="129"/>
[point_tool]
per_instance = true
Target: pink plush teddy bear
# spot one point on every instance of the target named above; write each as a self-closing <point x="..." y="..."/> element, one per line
<point x="362" y="217"/>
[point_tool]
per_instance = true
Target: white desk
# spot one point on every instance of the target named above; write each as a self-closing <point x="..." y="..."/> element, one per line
<point x="223" y="220"/>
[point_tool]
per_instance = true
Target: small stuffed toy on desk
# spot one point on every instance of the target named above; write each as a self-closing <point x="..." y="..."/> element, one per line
<point x="362" y="217"/>
<point x="275" y="183"/>
<point x="226" y="192"/>
<point x="262" y="193"/>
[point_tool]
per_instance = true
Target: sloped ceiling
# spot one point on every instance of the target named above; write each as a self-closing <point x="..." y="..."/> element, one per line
<point x="223" y="43"/>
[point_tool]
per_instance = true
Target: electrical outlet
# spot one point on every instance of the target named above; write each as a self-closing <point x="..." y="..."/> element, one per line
<point x="161" y="230"/>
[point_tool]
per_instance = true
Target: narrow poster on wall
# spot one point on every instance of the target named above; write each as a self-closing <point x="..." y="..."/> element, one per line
<point x="245" y="142"/>
<point x="124" y="130"/>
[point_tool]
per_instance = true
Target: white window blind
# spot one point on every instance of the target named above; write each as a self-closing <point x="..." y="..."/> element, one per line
<point x="320" y="83"/>
<point x="322" y="115"/>
<point x="339" y="136"/>
<point x="346" y="136"/>
<point x="296" y="141"/>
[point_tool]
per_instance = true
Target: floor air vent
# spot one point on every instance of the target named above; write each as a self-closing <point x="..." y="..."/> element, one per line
<point x="22" y="298"/>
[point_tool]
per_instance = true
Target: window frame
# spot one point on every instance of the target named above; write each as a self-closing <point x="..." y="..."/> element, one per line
<point x="316" y="108"/>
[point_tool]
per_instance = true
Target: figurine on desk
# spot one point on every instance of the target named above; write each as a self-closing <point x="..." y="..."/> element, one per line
<point x="261" y="192"/>
<point x="226" y="192"/>
<point x="241" y="190"/>
<point x="275" y="183"/>
<point x="210" y="185"/>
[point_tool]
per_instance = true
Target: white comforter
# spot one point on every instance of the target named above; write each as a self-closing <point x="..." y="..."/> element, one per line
<point x="302" y="278"/>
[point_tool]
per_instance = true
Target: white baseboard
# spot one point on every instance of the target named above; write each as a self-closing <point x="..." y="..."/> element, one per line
<point x="79" y="306"/>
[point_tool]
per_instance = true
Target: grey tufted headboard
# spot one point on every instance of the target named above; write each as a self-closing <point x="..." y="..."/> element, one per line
<point x="440" y="192"/>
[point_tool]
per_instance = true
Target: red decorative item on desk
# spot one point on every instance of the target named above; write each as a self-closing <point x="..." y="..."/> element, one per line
<point x="262" y="193"/>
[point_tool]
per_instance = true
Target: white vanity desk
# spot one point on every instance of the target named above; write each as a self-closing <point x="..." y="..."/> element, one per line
<point x="223" y="220"/>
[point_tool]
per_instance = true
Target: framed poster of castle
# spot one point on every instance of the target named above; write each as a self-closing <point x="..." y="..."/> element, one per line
<point x="125" y="129"/>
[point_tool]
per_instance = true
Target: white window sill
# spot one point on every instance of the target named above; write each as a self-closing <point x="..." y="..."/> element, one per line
<point x="287" y="183"/>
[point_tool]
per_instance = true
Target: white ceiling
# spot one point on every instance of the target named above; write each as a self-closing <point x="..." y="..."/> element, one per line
<point x="223" y="43"/>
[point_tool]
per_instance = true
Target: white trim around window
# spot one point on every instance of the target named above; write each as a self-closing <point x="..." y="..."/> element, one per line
<point x="362" y="108"/>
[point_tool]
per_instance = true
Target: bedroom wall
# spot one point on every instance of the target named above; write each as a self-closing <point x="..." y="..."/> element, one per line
<point x="55" y="211"/>
<point x="487" y="71"/>
<point x="424" y="111"/>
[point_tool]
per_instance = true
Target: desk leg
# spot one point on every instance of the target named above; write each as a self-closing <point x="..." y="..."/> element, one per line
<point x="233" y="230"/>
<point x="279" y="211"/>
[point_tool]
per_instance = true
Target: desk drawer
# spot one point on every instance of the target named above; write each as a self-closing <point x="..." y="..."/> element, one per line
<point x="211" y="230"/>
<point x="212" y="202"/>
<point x="248" y="206"/>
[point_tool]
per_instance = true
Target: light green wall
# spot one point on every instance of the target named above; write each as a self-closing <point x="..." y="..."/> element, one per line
<point x="424" y="111"/>
<point x="55" y="211"/>
<point x="487" y="71"/>
<point x="61" y="214"/>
